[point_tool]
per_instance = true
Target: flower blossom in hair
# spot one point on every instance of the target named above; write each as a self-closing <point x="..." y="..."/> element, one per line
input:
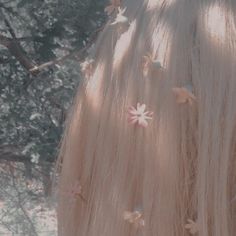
<point x="184" y="94"/>
<point x="151" y="65"/>
<point x="134" y="217"/>
<point x="192" y="226"/>
<point x="87" y="68"/>
<point x="115" y="4"/>
<point x="120" y="18"/>
<point x="75" y="192"/>
<point x="139" y="116"/>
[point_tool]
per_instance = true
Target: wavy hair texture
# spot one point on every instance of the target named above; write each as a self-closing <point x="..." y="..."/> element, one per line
<point x="175" y="175"/>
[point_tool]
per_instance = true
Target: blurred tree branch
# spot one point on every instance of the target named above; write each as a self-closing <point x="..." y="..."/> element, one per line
<point x="78" y="54"/>
<point x="15" y="49"/>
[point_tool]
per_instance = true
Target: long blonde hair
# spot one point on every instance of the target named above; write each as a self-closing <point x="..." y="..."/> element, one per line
<point x="168" y="167"/>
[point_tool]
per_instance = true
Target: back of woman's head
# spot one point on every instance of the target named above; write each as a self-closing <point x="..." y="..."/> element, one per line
<point x="149" y="148"/>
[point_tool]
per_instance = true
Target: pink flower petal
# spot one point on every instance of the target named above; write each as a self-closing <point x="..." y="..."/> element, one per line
<point x="133" y="111"/>
<point x="143" y="123"/>
<point x="139" y="115"/>
<point x="133" y="120"/>
<point x="141" y="108"/>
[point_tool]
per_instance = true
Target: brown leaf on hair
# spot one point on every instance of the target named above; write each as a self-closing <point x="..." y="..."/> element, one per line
<point x="184" y="94"/>
<point x="192" y="226"/>
<point x="134" y="217"/>
<point x="74" y="192"/>
<point x="150" y="65"/>
<point x="112" y="7"/>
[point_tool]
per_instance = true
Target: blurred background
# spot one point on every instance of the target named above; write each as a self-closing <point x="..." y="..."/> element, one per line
<point x="42" y="43"/>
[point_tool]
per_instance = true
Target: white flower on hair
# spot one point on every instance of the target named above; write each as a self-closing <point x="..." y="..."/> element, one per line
<point x="115" y="4"/>
<point x="120" y="18"/>
<point x="134" y="217"/>
<point x="139" y="115"/>
<point x="87" y="68"/>
<point x="184" y="94"/>
<point x="150" y="65"/>
<point x="192" y="226"/>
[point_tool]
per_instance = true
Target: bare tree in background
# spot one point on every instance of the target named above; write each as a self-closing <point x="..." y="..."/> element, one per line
<point x="41" y="44"/>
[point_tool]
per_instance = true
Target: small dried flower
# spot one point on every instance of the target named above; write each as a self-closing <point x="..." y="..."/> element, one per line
<point x="120" y="18"/>
<point x="150" y="65"/>
<point x="134" y="217"/>
<point x="184" y="94"/>
<point x="139" y="115"/>
<point x="192" y="226"/>
<point x="115" y="4"/>
<point x="87" y="68"/>
<point x="75" y="192"/>
<point x="76" y="189"/>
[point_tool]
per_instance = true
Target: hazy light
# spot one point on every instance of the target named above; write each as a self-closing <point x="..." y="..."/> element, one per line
<point x="93" y="90"/>
<point x="156" y="4"/>
<point x="215" y="22"/>
<point x="123" y="44"/>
